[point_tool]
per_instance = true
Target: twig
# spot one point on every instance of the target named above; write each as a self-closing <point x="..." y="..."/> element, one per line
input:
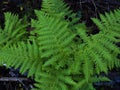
<point x="13" y="79"/>
<point x="95" y="7"/>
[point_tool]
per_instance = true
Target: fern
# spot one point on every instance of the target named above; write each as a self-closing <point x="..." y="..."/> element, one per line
<point x="51" y="42"/>
<point x="60" y="10"/>
<point x="50" y="54"/>
<point x="13" y="31"/>
<point x="99" y="52"/>
<point x="14" y="57"/>
<point x="109" y="24"/>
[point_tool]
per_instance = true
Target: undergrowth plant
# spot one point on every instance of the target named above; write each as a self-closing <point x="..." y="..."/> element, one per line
<point x="58" y="53"/>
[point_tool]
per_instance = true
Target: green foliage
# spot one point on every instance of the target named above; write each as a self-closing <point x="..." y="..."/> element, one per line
<point x="58" y="7"/>
<point x="52" y="56"/>
<point x="14" y="30"/>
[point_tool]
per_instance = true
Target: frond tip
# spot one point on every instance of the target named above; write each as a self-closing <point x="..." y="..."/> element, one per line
<point x="14" y="30"/>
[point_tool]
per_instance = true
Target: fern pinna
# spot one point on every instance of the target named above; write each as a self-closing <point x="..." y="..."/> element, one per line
<point x="52" y="56"/>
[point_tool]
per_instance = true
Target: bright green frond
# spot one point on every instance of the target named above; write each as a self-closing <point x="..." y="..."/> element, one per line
<point x="54" y="38"/>
<point x="19" y="55"/>
<point x="14" y="30"/>
<point x="109" y="23"/>
<point x="59" y="9"/>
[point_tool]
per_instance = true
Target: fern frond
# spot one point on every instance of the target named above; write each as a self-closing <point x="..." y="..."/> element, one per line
<point x="53" y="7"/>
<point x="59" y="9"/>
<point x="54" y="38"/>
<point x="98" y="53"/>
<point x="19" y="55"/>
<point x="109" y="23"/>
<point x="101" y="52"/>
<point x="13" y="31"/>
<point x="54" y="80"/>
